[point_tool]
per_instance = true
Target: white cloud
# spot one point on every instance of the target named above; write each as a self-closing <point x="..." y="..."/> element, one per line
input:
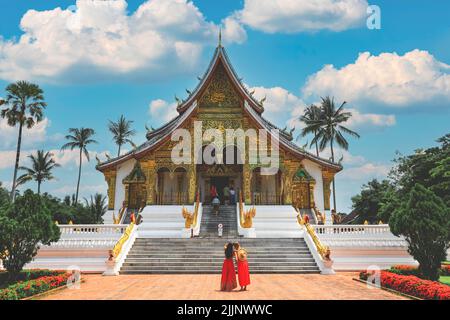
<point x="366" y="172"/>
<point x="100" y="39"/>
<point x="394" y="80"/>
<point x="85" y="190"/>
<point x="66" y="158"/>
<point x="162" y="110"/>
<point x="38" y="133"/>
<point x="348" y="159"/>
<point x="282" y="106"/>
<point x="291" y="16"/>
<point x="360" y="120"/>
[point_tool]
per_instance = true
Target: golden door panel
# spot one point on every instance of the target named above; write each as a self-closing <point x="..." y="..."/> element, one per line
<point x="300" y="195"/>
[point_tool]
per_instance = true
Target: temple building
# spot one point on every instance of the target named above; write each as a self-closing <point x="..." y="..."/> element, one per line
<point x="148" y="176"/>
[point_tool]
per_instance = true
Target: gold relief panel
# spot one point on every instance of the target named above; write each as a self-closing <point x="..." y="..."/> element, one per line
<point x="220" y="91"/>
<point x="110" y="177"/>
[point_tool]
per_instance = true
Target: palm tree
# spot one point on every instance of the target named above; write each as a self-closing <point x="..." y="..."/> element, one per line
<point x="330" y="130"/>
<point x="79" y="138"/>
<point x="311" y="114"/>
<point x="121" y="131"/>
<point x="41" y="168"/>
<point x="97" y="207"/>
<point x="24" y="106"/>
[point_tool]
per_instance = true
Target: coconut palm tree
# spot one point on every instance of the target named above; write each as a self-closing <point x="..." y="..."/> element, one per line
<point x="97" y="207"/>
<point x="330" y="130"/>
<point x="309" y="117"/>
<point x="121" y="131"/>
<point x="41" y="168"/>
<point x="24" y="107"/>
<point x="79" y="138"/>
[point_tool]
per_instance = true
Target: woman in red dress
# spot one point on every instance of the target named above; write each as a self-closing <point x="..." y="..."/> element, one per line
<point x="228" y="281"/>
<point x="242" y="265"/>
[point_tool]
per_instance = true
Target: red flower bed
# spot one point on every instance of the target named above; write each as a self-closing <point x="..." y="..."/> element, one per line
<point x="412" y="285"/>
<point x="24" y="289"/>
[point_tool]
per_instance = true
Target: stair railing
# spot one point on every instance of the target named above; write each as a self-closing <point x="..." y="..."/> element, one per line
<point x="245" y="217"/>
<point x="191" y="220"/>
<point x="324" y="260"/>
<point x="118" y="254"/>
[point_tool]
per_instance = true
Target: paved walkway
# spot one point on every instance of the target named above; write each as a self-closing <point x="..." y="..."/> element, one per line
<point x="191" y="287"/>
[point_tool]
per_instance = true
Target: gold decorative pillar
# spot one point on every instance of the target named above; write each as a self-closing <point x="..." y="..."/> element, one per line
<point x="110" y="177"/>
<point x="327" y="178"/>
<point x="149" y="167"/>
<point x="247" y="175"/>
<point x="311" y="194"/>
<point x="192" y="178"/>
<point x="127" y="194"/>
<point x="290" y="169"/>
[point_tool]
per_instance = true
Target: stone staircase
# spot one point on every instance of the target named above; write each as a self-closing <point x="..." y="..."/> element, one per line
<point x="210" y="221"/>
<point x="206" y="255"/>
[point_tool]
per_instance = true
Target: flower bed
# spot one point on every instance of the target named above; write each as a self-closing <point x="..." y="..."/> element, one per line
<point x="414" y="271"/>
<point x="28" y="288"/>
<point x="412" y="285"/>
<point x="25" y="275"/>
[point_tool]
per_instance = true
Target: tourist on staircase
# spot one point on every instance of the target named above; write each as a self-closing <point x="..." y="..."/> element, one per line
<point x="242" y="266"/>
<point x="232" y="196"/>
<point x="228" y="281"/>
<point x="213" y="192"/>
<point x="216" y="204"/>
<point x="226" y="195"/>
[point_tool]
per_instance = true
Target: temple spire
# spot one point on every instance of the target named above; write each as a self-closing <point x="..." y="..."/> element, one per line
<point x="220" y="37"/>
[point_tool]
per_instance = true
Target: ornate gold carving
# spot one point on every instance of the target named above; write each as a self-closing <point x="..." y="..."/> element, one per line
<point x="327" y="178"/>
<point x="220" y="91"/>
<point x="110" y="177"/>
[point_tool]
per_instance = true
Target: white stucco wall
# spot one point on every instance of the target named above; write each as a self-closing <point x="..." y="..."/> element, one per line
<point x="123" y="170"/>
<point x="315" y="171"/>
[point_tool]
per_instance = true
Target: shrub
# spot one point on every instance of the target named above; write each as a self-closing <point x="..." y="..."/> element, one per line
<point x="23" y="225"/>
<point x="424" y="220"/>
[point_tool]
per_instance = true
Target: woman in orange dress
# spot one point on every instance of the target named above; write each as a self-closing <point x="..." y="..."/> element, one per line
<point x="228" y="281"/>
<point x="242" y="264"/>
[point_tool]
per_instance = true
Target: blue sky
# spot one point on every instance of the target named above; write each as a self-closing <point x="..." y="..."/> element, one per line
<point x="96" y="62"/>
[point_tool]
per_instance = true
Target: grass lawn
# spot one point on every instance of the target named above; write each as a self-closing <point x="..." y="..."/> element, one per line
<point x="445" y="280"/>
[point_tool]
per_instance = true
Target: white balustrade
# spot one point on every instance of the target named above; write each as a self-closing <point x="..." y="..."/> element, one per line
<point x="92" y="229"/>
<point x="352" y="229"/>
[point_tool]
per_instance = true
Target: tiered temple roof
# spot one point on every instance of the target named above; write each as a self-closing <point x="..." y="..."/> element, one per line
<point x="252" y="108"/>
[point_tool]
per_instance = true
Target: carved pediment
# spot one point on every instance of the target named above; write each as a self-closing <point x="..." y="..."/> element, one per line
<point x="136" y="175"/>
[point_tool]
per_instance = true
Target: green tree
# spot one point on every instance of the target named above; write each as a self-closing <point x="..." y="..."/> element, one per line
<point x="310" y="118"/>
<point x="4" y="196"/>
<point x="429" y="167"/>
<point x="424" y="220"/>
<point x="329" y="130"/>
<point x="24" y="225"/>
<point x="97" y="207"/>
<point x="79" y="138"/>
<point x="24" y="107"/>
<point x="41" y="168"/>
<point x="368" y="203"/>
<point x="121" y="131"/>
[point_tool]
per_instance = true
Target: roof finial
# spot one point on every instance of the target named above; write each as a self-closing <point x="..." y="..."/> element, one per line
<point x="220" y="36"/>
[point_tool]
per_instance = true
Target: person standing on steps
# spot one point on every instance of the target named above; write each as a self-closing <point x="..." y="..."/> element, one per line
<point x="213" y="192"/>
<point x="232" y="196"/>
<point x="242" y="266"/>
<point x="216" y="204"/>
<point x="228" y="280"/>
<point x="226" y="195"/>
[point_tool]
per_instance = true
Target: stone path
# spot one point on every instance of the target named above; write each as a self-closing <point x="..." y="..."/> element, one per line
<point x="190" y="287"/>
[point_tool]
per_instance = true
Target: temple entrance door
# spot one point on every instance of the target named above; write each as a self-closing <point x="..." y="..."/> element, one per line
<point x="220" y="183"/>
<point x="301" y="195"/>
<point x="136" y="196"/>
